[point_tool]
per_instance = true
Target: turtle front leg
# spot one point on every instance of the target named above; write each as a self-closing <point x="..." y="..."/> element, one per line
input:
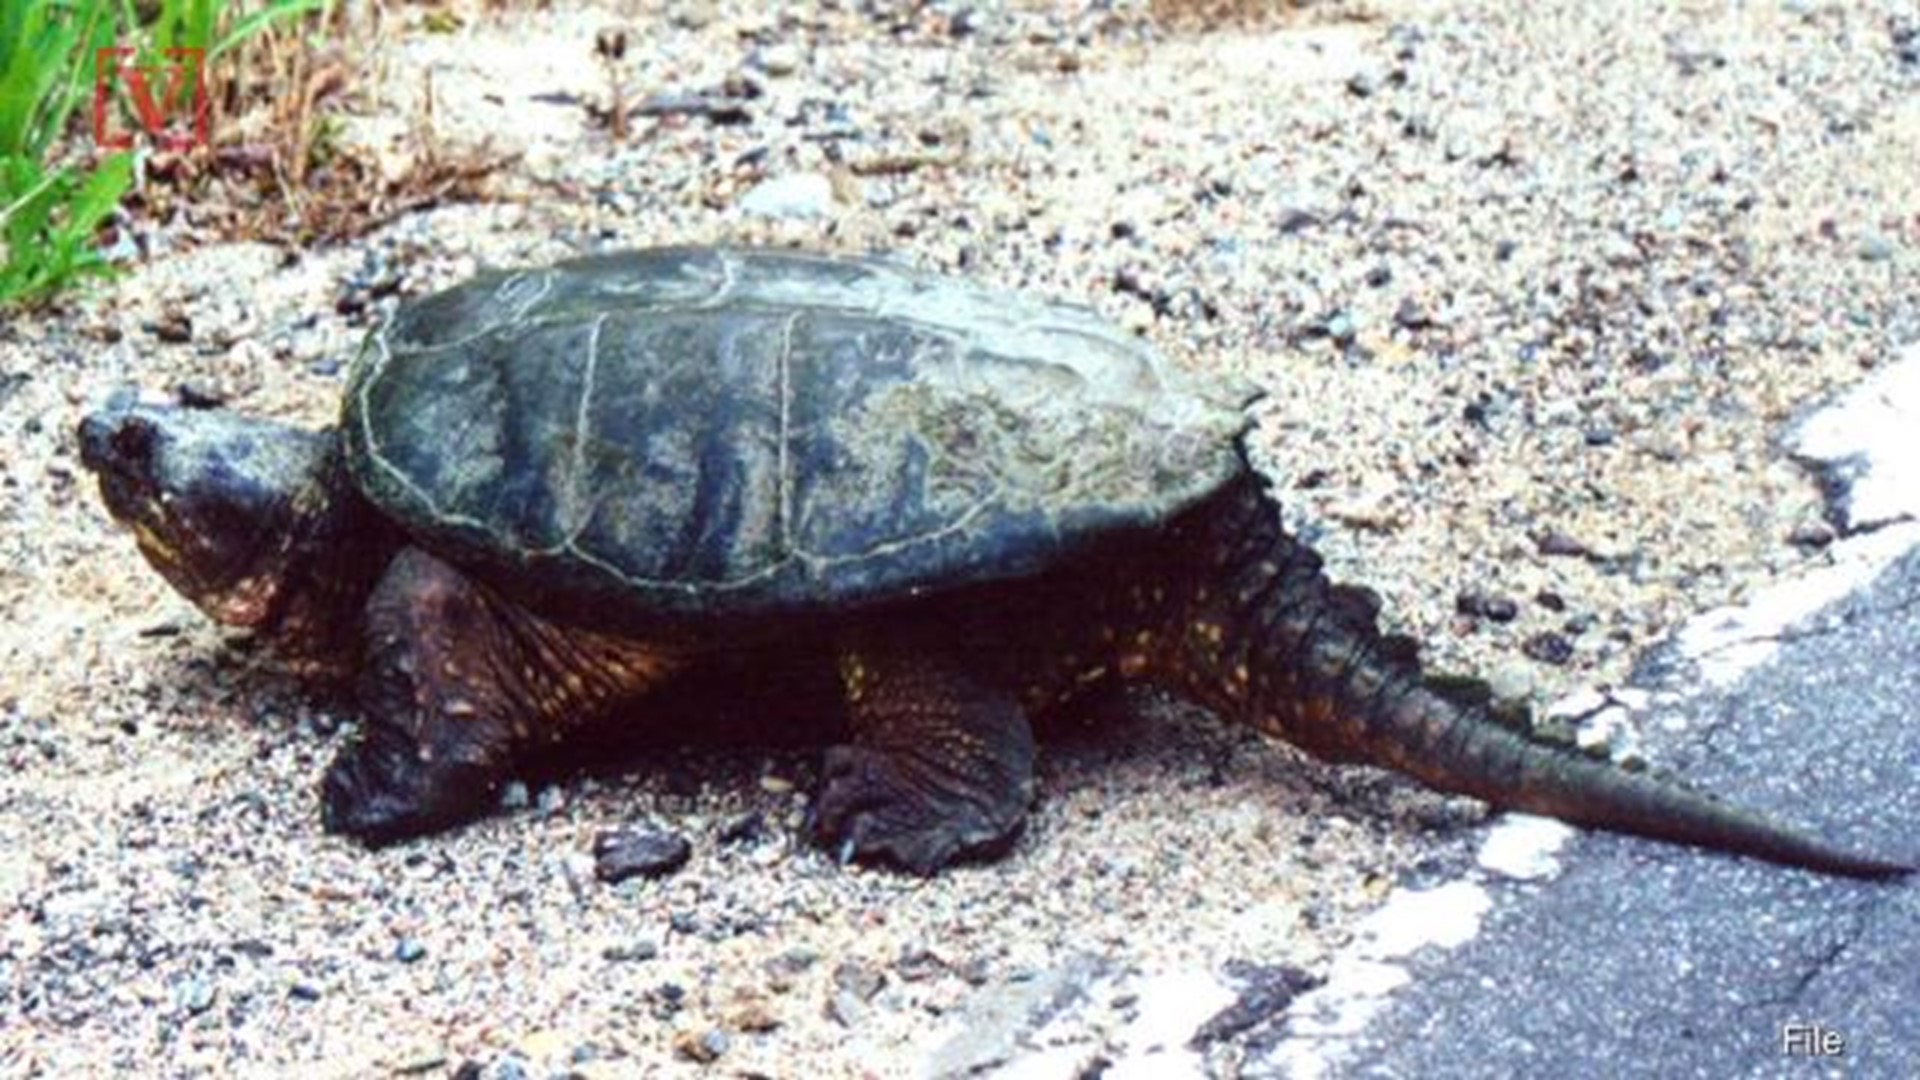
<point x="457" y="680"/>
<point x="940" y="765"/>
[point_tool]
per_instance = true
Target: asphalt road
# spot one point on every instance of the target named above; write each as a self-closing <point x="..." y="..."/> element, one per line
<point x="1645" y="959"/>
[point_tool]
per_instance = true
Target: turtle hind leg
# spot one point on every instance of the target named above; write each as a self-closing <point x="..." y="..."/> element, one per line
<point x="940" y="766"/>
<point x="456" y="684"/>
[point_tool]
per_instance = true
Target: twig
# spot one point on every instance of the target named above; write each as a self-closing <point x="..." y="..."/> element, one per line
<point x="611" y="45"/>
<point x="721" y="110"/>
<point x="902" y="164"/>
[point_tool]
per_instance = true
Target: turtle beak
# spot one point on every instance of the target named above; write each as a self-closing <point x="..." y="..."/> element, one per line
<point x="118" y="444"/>
<point x="121" y="445"/>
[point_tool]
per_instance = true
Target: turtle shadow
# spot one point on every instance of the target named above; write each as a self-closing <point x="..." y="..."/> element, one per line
<point x="725" y="729"/>
<point x="1159" y="743"/>
<point x="722" y="726"/>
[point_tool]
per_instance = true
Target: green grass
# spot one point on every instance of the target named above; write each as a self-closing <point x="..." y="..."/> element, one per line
<point x="52" y="201"/>
<point x="48" y="212"/>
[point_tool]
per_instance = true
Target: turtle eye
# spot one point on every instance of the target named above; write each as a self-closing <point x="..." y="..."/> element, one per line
<point x="133" y="444"/>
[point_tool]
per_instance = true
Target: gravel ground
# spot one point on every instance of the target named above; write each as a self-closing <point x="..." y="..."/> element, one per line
<point x="1533" y="290"/>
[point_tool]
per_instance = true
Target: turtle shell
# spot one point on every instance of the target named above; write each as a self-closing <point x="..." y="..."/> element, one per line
<point x="708" y="431"/>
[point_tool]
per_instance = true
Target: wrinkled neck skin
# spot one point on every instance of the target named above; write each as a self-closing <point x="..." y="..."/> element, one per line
<point x="334" y="559"/>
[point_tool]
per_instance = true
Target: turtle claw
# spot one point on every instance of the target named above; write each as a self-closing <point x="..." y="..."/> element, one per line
<point x="878" y="807"/>
<point x="380" y="793"/>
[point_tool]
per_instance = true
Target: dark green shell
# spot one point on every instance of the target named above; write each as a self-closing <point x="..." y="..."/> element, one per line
<point x="699" y="431"/>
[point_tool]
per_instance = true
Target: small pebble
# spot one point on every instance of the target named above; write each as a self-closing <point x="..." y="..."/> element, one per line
<point x="703" y="1047"/>
<point x="917" y="962"/>
<point x="1813" y="534"/>
<point x="1557" y="543"/>
<point x="800" y="195"/>
<point x="1484" y="605"/>
<point x="1294" y="220"/>
<point x="1580" y="624"/>
<point x="747" y="828"/>
<point x="196" y="996"/>
<point x="779" y="60"/>
<point x="199" y="394"/>
<point x="751" y="1013"/>
<point x="1511" y="681"/>
<point x="784" y="968"/>
<point x="638" y="853"/>
<point x="509" y="1067"/>
<point x="854" y="986"/>
<point x="173" y="327"/>
<point x="630" y="954"/>
<point x="1411" y="316"/>
<point x="1548" y="648"/>
<point x="420" y="1060"/>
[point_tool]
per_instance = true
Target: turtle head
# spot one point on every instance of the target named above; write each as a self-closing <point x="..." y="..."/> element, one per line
<point x="220" y="504"/>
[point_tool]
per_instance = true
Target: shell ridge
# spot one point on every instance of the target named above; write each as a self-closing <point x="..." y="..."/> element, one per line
<point x="890" y="547"/>
<point x="414" y="491"/>
<point x="729" y="281"/>
<point x="577" y="521"/>
<point x="783" y="475"/>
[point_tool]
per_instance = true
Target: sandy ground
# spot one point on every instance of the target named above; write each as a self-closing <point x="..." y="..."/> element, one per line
<point x="1517" y="283"/>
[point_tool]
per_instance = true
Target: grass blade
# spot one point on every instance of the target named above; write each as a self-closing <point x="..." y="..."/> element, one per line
<point x="98" y="197"/>
<point x="258" y="21"/>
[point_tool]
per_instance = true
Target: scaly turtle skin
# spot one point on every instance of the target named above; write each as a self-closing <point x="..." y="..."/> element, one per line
<point x="556" y="492"/>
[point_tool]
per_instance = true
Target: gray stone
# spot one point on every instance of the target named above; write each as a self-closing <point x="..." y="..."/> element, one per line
<point x="1003" y="1016"/>
<point x="795" y="196"/>
<point x="1875" y="248"/>
<point x="854" y="986"/>
<point x="1512" y="681"/>
<point x="638" y="853"/>
<point x="779" y="60"/>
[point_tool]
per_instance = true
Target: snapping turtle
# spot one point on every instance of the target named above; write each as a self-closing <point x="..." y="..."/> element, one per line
<point x="554" y="492"/>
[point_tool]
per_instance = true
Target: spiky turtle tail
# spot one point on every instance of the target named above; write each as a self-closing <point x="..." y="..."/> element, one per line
<point x="1270" y="639"/>
<point x="1457" y="748"/>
